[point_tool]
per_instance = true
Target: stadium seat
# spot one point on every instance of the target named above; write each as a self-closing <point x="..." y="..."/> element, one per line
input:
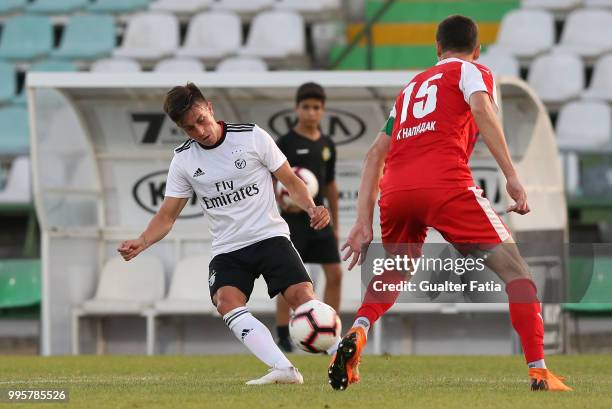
<point x="115" y="65"/>
<point x="14" y="131"/>
<point x="557" y="77"/>
<point x="188" y="295"/>
<point x="181" y="6"/>
<point x="53" y="66"/>
<point x="500" y="63"/>
<point x="56" y="6"/>
<point x="46" y="66"/>
<point x="149" y="37"/>
<point x="17" y="189"/>
<point x="601" y="83"/>
<point x="188" y="292"/>
<point x="312" y="9"/>
<point x="587" y="32"/>
<point x="118" y="6"/>
<point x="324" y="36"/>
<point x="20" y="283"/>
<point x="570" y="162"/>
<point x="123" y="289"/>
<point x="276" y="35"/>
<point x="243" y="7"/>
<point x="26" y="37"/>
<point x="87" y="37"/>
<point x="552" y="5"/>
<point x="597" y="299"/>
<point x="8" y="82"/>
<point x="584" y="125"/>
<point x="598" y="3"/>
<point x="242" y="64"/>
<point x="203" y="40"/>
<point x="12" y="6"/>
<point x="526" y="33"/>
<point x="179" y="65"/>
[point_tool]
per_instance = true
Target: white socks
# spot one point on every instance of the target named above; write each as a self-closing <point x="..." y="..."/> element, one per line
<point x="537" y="364"/>
<point x="364" y="323"/>
<point x="256" y="337"/>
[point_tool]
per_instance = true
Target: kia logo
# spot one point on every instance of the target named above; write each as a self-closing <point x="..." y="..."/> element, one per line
<point x="341" y="126"/>
<point x="149" y="192"/>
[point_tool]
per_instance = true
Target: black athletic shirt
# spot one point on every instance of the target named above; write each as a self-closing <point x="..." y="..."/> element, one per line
<point x="318" y="156"/>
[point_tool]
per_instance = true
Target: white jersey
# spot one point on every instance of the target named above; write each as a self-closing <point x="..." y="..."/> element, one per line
<point x="233" y="183"/>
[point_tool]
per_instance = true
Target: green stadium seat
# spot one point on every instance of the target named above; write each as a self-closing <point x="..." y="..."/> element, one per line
<point x="54" y="66"/>
<point x="46" y="66"/>
<point x="87" y="37"/>
<point x="14" y="131"/>
<point x="597" y="298"/>
<point x="56" y="6"/>
<point x="20" y="283"/>
<point x="118" y="6"/>
<point x="26" y="37"/>
<point x="598" y="295"/>
<point x="8" y="82"/>
<point x="12" y="6"/>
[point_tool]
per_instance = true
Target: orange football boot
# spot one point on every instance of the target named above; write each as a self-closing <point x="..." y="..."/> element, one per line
<point x="344" y="367"/>
<point x="544" y="380"/>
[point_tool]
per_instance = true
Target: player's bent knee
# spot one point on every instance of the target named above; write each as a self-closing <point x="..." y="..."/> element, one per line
<point x="225" y="306"/>
<point x="228" y="298"/>
<point x="298" y="294"/>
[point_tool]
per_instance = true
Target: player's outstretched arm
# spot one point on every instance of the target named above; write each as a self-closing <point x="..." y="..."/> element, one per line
<point x="319" y="216"/>
<point x="493" y="135"/>
<point x="157" y="229"/>
<point x="361" y="234"/>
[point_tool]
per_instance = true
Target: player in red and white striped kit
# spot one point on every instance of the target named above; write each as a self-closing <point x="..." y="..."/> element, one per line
<point x="425" y="148"/>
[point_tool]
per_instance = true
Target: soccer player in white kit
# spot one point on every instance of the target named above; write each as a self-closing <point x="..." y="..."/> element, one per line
<point x="230" y="167"/>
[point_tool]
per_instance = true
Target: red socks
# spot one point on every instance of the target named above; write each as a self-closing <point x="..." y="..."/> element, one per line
<point x="525" y="310"/>
<point x="526" y="317"/>
<point x="376" y="301"/>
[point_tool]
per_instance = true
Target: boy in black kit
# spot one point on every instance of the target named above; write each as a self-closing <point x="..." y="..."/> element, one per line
<point x="306" y="147"/>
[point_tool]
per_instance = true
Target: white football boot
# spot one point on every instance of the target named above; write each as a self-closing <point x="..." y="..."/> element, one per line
<point x="279" y="375"/>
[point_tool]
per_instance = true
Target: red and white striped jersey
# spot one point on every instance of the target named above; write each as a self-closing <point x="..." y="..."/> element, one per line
<point x="434" y="131"/>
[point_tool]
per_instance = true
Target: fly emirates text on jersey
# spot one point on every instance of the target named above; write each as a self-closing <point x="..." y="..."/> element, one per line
<point x="227" y="194"/>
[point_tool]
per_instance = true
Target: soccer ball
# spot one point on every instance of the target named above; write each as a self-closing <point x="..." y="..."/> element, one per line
<point x="307" y="177"/>
<point x="315" y="327"/>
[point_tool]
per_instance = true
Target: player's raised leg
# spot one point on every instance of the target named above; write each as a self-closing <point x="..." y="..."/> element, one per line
<point x="344" y="367"/>
<point x="255" y="336"/>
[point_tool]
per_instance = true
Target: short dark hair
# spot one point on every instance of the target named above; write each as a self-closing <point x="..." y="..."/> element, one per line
<point x="310" y="90"/>
<point x="180" y="99"/>
<point x="457" y="33"/>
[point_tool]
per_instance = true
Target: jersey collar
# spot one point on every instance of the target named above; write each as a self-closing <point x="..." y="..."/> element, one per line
<point x="220" y="141"/>
<point x="450" y="59"/>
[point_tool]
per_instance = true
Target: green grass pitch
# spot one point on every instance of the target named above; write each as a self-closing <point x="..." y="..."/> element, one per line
<point x="423" y="382"/>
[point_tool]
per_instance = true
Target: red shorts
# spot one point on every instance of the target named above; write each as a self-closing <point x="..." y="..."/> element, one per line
<point x="461" y="215"/>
